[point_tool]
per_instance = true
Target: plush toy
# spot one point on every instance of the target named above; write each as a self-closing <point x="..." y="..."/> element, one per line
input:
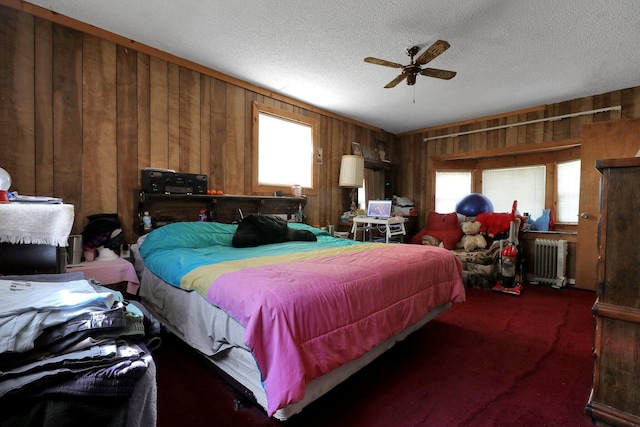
<point x="472" y="238"/>
<point x="494" y="223"/>
<point x="431" y="241"/>
<point x="542" y="223"/>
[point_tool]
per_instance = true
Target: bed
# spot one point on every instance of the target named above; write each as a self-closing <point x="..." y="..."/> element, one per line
<point x="289" y="321"/>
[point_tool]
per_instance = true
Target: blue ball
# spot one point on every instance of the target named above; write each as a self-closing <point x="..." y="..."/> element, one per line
<point x="474" y="204"/>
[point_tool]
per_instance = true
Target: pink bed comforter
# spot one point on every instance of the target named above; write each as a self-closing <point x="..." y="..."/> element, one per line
<point x="306" y="318"/>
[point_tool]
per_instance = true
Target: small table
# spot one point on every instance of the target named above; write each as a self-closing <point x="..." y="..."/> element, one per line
<point x="109" y="272"/>
<point x="394" y="226"/>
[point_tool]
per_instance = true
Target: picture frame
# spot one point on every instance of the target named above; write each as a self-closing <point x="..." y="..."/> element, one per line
<point x="382" y="151"/>
<point x="356" y="148"/>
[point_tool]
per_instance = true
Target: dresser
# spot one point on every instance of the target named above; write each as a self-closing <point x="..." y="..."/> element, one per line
<point x="615" y="396"/>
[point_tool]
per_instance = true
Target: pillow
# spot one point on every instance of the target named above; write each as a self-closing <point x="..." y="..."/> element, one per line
<point x="193" y="234"/>
<point x="444" y="227"/>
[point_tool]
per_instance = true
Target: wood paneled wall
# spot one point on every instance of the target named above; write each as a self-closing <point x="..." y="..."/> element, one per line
<point x="81" y="114"/>
<point x="415" y="152"/>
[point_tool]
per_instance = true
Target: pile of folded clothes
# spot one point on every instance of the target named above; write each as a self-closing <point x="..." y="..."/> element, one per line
<point x="66" y="343"/>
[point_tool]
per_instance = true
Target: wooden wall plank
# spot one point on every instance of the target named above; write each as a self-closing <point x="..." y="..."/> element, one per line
<point x="43" y="97"/>
<point x="328" y="177"/>
<point x="99" y="153"/>
<point x="143" y="87"/>
<point x="127" y="138"/>
<point x="67" y="121"/>
<point x="534" y="133"/>
<point x="159" y="113"/>
<point x="218" y="134"/>
<point x="511" y="134"/>
<point x="205" y="125"/>
<point x="581" y="104"/>
<point x="234" y="159"/>
<point x="173" y="117"/>
<point x="561" y="128"/>
<point x="630" y="101"/>
<point x="189" y="122"/>
<point x="247" y="140"/>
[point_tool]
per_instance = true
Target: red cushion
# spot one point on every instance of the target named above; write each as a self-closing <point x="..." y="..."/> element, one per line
<point x="444" y="227"/>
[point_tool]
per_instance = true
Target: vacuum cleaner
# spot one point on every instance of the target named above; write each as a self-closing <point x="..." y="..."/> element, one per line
<point x="508" y="283"/>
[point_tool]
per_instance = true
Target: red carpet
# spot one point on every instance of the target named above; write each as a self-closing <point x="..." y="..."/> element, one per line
<point x="496" y="360"/>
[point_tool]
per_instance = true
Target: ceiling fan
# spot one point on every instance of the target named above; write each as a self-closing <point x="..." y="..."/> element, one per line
<point x="410" y="71"/>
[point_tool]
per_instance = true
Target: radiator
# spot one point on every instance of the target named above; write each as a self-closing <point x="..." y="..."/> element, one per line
<point x="550" y="264"/>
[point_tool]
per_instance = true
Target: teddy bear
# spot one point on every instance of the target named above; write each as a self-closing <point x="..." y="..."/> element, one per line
<point x="472" y="238"/>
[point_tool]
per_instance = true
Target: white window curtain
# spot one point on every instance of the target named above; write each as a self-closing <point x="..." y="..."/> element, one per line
<point x="451" y="187"/>
<point x="524" y="184"/>
<point x="568" y="192"/>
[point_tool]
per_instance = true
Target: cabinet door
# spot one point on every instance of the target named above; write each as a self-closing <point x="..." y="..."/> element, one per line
<point x="606" y="140"/>
<point x="619" y="251"/>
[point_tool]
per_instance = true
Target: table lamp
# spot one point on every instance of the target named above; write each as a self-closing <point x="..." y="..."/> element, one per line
<point x="352" y="175"/>
<point x="5" y="183"/>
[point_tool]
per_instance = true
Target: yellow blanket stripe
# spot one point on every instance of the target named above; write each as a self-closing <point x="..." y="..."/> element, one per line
<point x="201" y="278"/>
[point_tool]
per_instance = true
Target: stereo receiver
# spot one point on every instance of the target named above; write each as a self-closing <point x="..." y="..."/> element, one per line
<point x="170" y="182"/>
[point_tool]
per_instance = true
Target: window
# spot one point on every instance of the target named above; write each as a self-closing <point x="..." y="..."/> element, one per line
<point x="450" y="188"/>
<point x="284" y="150"/>
<point x="541" y="180"/>
<point x="524" y="184"/>
<point x="568" y="192"/>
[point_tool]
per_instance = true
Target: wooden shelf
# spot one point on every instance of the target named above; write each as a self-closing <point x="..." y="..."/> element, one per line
<point x="378" y="164"/>
<point x="226" y="208"/>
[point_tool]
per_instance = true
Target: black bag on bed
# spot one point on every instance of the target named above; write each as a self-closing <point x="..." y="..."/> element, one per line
<point x="256" y="230"/>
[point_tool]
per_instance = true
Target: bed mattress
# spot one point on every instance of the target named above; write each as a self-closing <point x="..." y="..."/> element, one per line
<point x="195" y="321"/>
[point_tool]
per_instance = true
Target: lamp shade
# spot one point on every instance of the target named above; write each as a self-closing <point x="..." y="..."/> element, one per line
<point x="351" y="171"/>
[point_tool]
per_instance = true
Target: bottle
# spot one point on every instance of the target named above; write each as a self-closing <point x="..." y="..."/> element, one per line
<point x="146" y="221"/>
<point x="202" y="216"/>
<point x="300" y="212"/>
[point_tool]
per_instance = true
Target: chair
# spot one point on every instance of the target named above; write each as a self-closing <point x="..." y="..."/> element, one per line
<point x="480" y="267"/>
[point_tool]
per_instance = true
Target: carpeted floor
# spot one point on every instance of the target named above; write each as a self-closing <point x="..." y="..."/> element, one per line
<point x="496" y="360"/>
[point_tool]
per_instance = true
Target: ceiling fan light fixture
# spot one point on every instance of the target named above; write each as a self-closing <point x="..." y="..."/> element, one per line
<point x="414" y="68"/>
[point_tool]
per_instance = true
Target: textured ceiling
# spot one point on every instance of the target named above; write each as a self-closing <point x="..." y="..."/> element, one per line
<point x="509" y="54"/>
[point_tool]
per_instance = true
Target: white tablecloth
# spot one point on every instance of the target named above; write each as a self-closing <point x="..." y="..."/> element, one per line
<point x="42" y="224"/>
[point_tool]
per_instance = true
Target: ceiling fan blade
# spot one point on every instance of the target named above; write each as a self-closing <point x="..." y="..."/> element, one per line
<point x="382" y="62"/>
<point x="395" y="81"/>
<point x="433" y="51"/>
<point x="438" y="74"/>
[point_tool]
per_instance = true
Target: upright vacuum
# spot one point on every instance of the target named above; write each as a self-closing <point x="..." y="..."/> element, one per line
<point x="508" y="283"/>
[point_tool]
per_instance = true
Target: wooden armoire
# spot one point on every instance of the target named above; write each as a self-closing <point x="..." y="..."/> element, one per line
<point x="615" y="396"/>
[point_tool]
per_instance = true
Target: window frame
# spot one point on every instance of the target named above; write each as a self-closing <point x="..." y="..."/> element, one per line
<point x="284" y="115"/>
